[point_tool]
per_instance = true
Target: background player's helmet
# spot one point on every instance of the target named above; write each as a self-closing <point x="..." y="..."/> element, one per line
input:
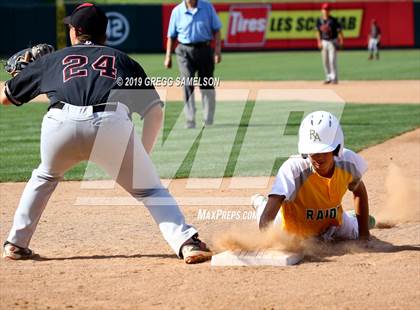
<point x="325" y="6"/>
<point x="320" y="132"/>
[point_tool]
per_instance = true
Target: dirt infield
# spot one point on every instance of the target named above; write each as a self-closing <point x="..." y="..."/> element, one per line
<point x="113" y="257"/>
<point x="350" y="91"/>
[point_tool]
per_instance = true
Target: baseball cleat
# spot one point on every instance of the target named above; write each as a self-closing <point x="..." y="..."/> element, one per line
<point x="207" y="124"/>
<point x="257" y="200"/>
<point x="195" y="251"/>
<point x="15" y="252"/>
<point x="327" y="82"/>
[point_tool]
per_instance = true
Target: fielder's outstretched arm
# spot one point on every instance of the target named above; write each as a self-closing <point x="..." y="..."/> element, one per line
<point x="361" y="206"/>
<point x="270" y="211"/>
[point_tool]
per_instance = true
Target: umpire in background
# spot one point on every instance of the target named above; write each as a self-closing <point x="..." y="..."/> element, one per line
<point x="330" y="38"/>
<point x="194" y="23"/>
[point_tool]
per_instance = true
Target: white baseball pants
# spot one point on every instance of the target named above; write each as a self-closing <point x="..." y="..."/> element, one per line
<point x="329" y="59"/>
<point x="373" y="46"/>
<point x="74" y="134"/>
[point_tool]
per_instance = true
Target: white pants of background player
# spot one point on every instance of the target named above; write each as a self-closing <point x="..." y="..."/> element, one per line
<point x="329" y="59"/>
<point x="349" y="229"/>
<point x="373" y="46"/>
<point x="74" y="134"/>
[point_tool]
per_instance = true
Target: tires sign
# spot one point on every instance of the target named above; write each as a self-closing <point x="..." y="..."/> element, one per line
<point x="247" y="25"/>
<point x="118" y="28"/>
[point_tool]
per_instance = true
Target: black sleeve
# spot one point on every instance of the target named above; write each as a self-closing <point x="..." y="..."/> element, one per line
<point x="27" y="84"/>
<point x="135" y="91"/>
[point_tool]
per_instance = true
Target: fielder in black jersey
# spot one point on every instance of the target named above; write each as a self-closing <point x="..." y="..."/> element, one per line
<point x="84" y="75"/>
<point x="330" y="39"/>
<point x="93" y="89"/>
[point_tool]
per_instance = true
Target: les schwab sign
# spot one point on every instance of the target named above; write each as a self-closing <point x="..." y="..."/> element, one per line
<point x="292" y="25"/>
<point x="252" y="25"/>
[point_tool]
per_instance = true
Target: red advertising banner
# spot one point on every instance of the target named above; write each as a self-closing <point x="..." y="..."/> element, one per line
<point x="292" y="25"/>
<point x="247" y="25"/>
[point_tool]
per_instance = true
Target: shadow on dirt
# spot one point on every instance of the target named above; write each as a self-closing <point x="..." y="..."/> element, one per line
<point x="88" y="257"/>
<point x="321" y="251"/>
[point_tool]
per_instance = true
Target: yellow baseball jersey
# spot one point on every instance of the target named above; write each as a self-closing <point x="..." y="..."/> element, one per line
<point x="313" y="202"/>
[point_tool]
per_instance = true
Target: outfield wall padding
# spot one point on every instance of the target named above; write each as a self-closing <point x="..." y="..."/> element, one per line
<point x="416" y="14"/>
<point x="260" y="26"/>
<point x="26" y="25"/>
<point x="132" y="28"/>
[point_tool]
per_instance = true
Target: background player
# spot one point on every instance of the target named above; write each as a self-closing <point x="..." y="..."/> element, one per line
<point x="374" y="40"/>
<point x="329" y="38"/>
<point x="88" y="119"/>
<point x="309" y="187"/>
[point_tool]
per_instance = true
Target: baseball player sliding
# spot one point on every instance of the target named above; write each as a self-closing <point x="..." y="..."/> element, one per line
<point x="306" y="196"/>
<point x="89" y="119"/>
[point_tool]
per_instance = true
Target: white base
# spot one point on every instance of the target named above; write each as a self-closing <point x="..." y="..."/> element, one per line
<point x="256" y="258"/>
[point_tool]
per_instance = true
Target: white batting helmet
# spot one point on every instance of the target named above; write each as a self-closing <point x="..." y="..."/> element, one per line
<point x="320" y="132"/>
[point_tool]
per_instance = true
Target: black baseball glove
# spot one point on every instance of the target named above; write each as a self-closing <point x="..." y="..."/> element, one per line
<point x="21" y="59"/>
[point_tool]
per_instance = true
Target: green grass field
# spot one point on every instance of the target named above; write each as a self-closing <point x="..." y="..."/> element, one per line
<point x="207" y="153"/>
<point x="302" y="65"/>
<point x="191" y="153"/>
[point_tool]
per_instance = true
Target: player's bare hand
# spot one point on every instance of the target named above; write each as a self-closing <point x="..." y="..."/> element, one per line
<point x="217" y="58"/>
<point x="168" y="62"/>
<point x="320" y="45"/>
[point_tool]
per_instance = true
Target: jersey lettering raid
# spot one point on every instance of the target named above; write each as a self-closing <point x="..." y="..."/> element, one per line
<point x="320" y="214"/>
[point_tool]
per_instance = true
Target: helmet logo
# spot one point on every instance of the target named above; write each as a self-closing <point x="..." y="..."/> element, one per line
<point x="313" y="135"/>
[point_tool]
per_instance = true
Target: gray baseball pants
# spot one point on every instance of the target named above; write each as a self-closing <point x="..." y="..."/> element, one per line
<point x="74" y="134"/>
<point x="200" y="60"/>
<point x="329" y="59"/>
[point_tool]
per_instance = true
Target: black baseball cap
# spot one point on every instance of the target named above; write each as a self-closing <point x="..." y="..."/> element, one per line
<point x="87" y="18"/>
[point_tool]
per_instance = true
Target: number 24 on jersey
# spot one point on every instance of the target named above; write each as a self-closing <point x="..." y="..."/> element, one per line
<point x="76" y="66"/>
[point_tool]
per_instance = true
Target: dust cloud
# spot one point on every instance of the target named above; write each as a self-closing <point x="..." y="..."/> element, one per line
<point x="402" y="205"/>
<point x="274" y="238"/>
<point x="402" y="201"/>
